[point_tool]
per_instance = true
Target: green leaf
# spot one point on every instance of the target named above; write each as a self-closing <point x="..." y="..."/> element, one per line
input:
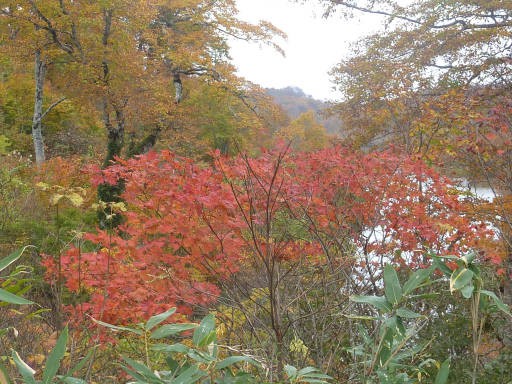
<point x="4" y="377"/>
<point x="157" y="319"/>
<point x="416" y="279"/>
<point x="171" y="330"/>
<point x="199" y="356"/>
<point x="312" y="375"/>
<point x="82" y="362"/>
<point x="400" y="327"/>
<point x="393" y="327"/>
<point x="228" y="361"/>
<point x="178" y="347"/>
<point x="37" y="314"/>
<point x="6" y="261"/>
<point x="11" y="298"/>
<point x="384" y="354"/>
<point x="439" y="264"/>
<point x="134" y="374"/>
<point x="460" y="278"/>
<point x="205" y="333"/>
<point x="392" y="287"/>
<point x="172" y="365"/>
<point x="72" y="380"/>
<point x="467" y="290"/>
<point x="118" y="328"/>
<point x="306" y="370"/>
<point x="317" y="376"/>
<point x="468" y="258"/>
<point x="24" y="369"/>
<point x="497" y="301"/>
<point x="444" y="371"/>
<point x="7" y="296"/>
<point x="143" y="370"/>
<point x="378" y="302"/>
<point x="56" y="355"/>
<point x="291" y="371"/>
<point x="407" y="313"/>
<point x="364" y="334"/>
<point x="239" y="378"/>
<point x="190" y="375"/>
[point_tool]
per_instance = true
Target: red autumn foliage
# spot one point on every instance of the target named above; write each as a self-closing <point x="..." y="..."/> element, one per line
<point x="188" y="226"/>
<point x="166" y="253"/>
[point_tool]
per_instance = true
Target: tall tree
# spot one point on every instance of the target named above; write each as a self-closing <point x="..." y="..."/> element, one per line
<point x="164" y="43"/>
<point x="126" y="62"/>
<point x="428" y="48"/>
<point x="46" y="31"/>
<point x="437" y="82"/>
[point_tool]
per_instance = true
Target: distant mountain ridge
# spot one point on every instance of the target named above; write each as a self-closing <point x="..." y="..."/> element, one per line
<point x="294" y="102"/>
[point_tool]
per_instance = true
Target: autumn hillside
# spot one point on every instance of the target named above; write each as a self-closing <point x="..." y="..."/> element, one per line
<point x="295" y="102"/>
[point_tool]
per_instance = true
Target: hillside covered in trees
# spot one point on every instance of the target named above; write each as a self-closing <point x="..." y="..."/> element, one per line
<point x="164" y="220"/>
<point x="295" y="102"/>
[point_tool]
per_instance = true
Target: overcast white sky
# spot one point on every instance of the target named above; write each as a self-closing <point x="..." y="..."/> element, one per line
<point x="313" y="47"/>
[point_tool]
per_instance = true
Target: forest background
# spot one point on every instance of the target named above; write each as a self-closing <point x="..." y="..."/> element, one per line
<point x="146" y="175"/>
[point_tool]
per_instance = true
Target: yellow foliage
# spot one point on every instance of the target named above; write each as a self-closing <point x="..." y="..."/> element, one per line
<point x="297" y="346"/>
<point x="305" y="133"/>
<point x="233" y="320"/>
<point x="75" y="195"/>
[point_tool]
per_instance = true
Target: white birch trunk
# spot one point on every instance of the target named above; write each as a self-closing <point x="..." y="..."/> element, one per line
<point x="37" y="132"/>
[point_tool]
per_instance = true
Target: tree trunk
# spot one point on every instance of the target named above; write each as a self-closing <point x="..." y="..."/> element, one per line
<point x="178" y="88"/>
<point x="115" y="134"/>
<point x="115" y="127"/>
<point x="37" y="132"/>
<point x="115" y="131"/>
<point x="276" y="316"/>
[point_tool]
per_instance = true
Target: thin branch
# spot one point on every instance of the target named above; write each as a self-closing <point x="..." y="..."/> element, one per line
<point x="51" y="107"/>
<point x="465" y="25"/>
<point x="375" y="11"/>
<point x="51" y="29"/>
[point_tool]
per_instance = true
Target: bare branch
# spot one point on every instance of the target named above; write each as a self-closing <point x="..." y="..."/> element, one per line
<point x="463" y="23"/>
<point x="53" y="105"/>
